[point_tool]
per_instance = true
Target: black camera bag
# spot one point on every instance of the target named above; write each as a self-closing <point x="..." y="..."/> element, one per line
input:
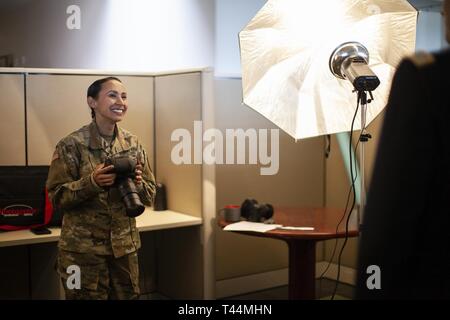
<point x="24" y="202"/>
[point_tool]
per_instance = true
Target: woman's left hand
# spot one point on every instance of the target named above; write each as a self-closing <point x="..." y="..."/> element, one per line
<point x="138" y="174"/>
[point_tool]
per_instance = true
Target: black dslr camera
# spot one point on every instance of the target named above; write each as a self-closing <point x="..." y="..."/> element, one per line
<point x="253" y="211"/>
<point x="124" y="168"/>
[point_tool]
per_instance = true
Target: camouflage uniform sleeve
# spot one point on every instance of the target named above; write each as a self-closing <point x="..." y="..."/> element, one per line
<point x="65" y="188"/>
<point x="147" y="189"/>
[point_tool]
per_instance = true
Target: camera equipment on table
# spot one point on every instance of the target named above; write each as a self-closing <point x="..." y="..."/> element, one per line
<point x="256" y="212"/>
<point x="124" y="168"/>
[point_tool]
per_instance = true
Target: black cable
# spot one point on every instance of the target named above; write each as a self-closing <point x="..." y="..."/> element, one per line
<point x="337" y="227"/>
<point x="352" y="187"/>
<point x="335" y="241"/>
<point x="346" y="206"/>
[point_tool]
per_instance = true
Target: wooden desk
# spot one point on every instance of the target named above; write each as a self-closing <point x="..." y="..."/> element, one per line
<point x="302" y="244"/>
<point x="148" y="221"/>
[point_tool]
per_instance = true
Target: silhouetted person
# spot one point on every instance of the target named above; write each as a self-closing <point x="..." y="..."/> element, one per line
<point x="406" y="225"/>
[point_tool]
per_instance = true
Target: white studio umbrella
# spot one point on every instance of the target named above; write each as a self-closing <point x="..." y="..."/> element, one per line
<point x="285" y="54"/>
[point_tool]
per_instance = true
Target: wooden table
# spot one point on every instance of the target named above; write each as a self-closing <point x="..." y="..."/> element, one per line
<point x="302" y="244"/>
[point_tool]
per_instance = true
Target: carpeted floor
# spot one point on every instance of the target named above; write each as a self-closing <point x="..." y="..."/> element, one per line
<point x="324" y="291"/>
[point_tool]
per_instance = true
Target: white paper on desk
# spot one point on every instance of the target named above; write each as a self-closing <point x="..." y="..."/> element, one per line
<point x="251" y="226"/>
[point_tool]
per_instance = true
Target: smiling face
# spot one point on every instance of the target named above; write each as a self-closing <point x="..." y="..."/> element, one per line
<point x="111" y="103"/>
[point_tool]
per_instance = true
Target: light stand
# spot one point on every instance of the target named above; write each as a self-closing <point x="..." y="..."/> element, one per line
<point x="363" y="138"/>
<point x="349" y="61"/>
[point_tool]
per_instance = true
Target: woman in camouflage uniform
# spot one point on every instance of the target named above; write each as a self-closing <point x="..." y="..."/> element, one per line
<point x="97" y="237"/>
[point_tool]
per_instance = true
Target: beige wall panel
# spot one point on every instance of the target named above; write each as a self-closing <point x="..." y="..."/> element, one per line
<point x="12" y="125"/>
<point x="338" y="185"/>
<point x="139" y="119"/>
<point x="57" y="106"/>
<point x="178" y="105"/>
<point x="299" y="182"/>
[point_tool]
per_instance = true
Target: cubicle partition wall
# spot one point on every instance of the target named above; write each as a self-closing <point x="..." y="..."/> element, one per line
<point x="40" y="106"/>
<point x="178" y="103"/>
<point x="12" y="128"/>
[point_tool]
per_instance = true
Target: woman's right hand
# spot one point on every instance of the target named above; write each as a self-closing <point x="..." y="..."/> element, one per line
<point x="102" y="177"/>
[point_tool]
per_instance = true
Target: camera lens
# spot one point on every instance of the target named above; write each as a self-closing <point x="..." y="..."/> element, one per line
<point x="130" y="197"/>
<point x="133" y="205"/>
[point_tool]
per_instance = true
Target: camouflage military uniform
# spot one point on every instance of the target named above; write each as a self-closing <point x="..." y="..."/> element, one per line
<point x="96" y="233"/>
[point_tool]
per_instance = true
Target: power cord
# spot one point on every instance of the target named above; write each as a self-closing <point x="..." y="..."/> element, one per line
<point x="361" y="97"/>
<point x="322" y="276"/>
